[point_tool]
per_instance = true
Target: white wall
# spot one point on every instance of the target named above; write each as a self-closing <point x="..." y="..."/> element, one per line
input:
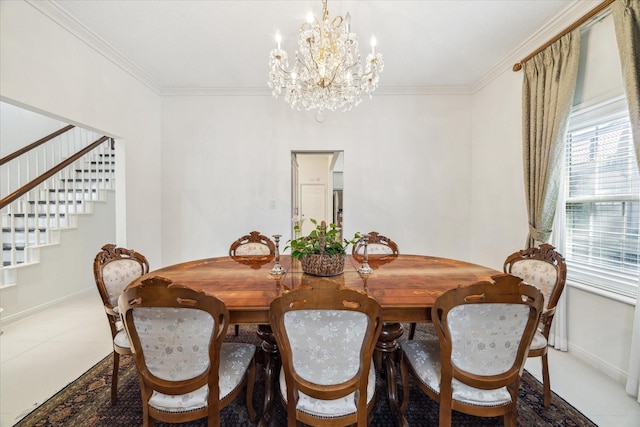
<point x="46" y="69"/>
<point x="499" y="223"/>
<point x="20" y="127"/>
<point x="406" y="170"/>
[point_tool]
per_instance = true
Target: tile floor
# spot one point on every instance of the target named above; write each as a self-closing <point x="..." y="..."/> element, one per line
<point x="41" y="354"/>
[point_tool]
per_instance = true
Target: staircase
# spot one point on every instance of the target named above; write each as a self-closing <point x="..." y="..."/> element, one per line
<point x="35" y="219"/>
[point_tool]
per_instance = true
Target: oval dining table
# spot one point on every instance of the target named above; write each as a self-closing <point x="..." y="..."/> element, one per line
<point x="405" y="286"/>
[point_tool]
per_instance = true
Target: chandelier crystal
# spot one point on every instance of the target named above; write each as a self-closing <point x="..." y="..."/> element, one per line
<point x="327" y="73"/>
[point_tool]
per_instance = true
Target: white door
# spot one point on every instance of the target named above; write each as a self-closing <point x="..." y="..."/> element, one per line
<point x="313" y="204"/>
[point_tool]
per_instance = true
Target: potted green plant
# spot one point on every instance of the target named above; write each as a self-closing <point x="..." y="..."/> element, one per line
<point x="322" y="251"/>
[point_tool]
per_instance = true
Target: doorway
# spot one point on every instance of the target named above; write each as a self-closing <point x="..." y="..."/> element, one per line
<point x="316" y="189"/>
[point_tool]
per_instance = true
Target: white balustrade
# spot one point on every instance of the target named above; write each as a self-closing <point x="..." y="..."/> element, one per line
<point x="28" y="220"/>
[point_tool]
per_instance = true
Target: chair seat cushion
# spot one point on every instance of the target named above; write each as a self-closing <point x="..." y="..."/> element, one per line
<point x="234" y="362"/>
<point x="424" y="358"/>
<point x="330" y="408"/>
<point x="122" y="339"/>
<point x="539" y="341"/>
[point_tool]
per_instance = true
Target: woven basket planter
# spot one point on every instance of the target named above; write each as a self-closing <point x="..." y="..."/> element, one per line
<point x="323" y="265"/>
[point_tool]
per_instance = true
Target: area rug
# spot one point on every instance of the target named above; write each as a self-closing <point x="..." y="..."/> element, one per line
<point x="86" y="402"/>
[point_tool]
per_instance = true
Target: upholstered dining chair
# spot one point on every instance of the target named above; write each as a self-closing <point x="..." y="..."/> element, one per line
<point x="113" y="269"/>
<point x="380" y="245"/>
<point x="326" y="336"/>
<point x="544" y="268"/>
<point x="186" y="370"/>
<point x="484" y="333"/>
<point x="253" y="244"/>
<point x="377" y="245"/>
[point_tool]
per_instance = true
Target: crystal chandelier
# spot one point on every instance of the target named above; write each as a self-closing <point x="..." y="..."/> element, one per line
<point x="327" y="73"/>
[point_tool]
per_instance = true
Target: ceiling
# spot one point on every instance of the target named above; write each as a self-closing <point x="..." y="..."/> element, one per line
<point x="191" y="44"/>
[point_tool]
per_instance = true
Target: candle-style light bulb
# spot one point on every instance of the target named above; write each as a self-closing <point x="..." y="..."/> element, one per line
<point x="310" y="17"/>
<point x="278" y="39"/>
<point x="347" y="22"/>
<point x="373" y="44"/>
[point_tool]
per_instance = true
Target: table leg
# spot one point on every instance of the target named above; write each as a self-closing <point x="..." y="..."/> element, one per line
<point x="385" y="359"/>
<point x="271" y="355"/>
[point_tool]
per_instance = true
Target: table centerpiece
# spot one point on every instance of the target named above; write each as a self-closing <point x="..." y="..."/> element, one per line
<point x="323" y="251"/>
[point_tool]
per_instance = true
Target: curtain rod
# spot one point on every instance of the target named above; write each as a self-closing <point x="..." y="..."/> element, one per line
<point x="606" y="3"/>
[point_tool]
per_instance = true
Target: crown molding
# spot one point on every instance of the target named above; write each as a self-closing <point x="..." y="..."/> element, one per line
<point x="215" y="91"/>
<point x="423" y="90"/>
<point x="559" y="23"/>
<point x="259" y="91"/>
<point x="56" y="13"/>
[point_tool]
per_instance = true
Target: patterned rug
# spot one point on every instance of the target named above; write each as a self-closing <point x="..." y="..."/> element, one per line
<point x="86" y="402"/>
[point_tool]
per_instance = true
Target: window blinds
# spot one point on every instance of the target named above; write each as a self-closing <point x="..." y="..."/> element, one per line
<point x="603" y="202"/>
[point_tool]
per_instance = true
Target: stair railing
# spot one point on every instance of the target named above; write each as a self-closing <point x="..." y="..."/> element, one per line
<point x="47" y="181"/>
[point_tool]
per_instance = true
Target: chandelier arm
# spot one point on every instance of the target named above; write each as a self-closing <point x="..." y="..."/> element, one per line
<point x="284" y="70"/>
<point x="335" y="71"/>
<point x="304" y="65"/>
<point x="315" y="63"/>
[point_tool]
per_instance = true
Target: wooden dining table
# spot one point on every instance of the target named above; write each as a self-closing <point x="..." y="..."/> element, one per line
<point x="405" y="286"/>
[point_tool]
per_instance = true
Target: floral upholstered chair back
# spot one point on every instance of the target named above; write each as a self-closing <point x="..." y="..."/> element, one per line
<point x="177" y="339"/>
<point x="326" y="338"/>
<point x="542" y="267"/>
<point x="377" y="245"/>
<point x="485" y="337"/>
<point x="253" y="244"/>
<point x="114" y="269"/>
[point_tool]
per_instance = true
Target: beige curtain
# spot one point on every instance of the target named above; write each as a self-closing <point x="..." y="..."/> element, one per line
<point x="626" y="19"/>
<point x="547" y="95"/>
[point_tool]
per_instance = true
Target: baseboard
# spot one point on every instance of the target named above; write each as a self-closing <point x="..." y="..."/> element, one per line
<point x="597" y="363"/>
<point x="21" y="315"/>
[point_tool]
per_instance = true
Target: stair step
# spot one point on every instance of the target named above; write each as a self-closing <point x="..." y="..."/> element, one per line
<point x="22" y="229"/>
<point x="55" y="202"/>
<point x="72" y="190"/>
<point x="6" y="257"/>
<point x="85" y="179"/>
<point x="7" y="246"/>
<point x="32" y="215"/>
<point x="94" y="170"/>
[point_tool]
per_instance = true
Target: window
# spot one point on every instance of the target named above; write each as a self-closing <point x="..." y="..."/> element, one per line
<point x="602" y="195"/>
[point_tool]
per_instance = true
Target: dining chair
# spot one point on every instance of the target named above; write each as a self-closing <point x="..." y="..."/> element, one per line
<point x="484" y="333"/>
<point x="251" y="245"/>
<point x="186" y="370"/>
<point x="376" y="245"/>
<point x="326" y="335"/>
<point x="544" y="268"/>
<point x="113" y="269"/>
